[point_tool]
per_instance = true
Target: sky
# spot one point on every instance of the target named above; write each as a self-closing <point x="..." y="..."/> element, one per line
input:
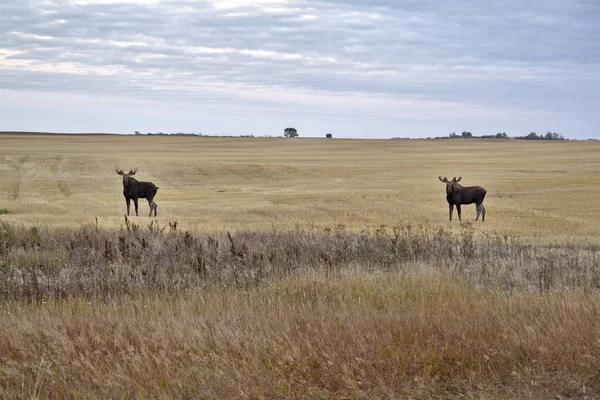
<point x="355" y="69"/>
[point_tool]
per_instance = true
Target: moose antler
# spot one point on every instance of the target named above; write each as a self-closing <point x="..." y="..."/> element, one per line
<point x="133" y="171"/>
<point x="459" y="178"/>
<point x="443" y="180"/>
<point x="119" y="171"/>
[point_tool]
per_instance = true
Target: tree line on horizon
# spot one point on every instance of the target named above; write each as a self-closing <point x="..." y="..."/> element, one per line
<point x="503" y="135"/>
<point x="292" y="132"/>
<point x="287" y="132"/>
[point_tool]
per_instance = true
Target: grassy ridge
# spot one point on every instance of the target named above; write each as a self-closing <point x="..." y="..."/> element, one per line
<point x="543" y="191"/>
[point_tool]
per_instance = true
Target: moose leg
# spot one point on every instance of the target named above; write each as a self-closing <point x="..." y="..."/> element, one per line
<point x="152" y="206"/>
<point x="135" y="202"/>
<point x="478" y="211"/>
<point x="128" y="201"/>
<point x="482" y="213"/>
<point x="151" y="203"/>
<point x="451" y="209"/>
<point x="458" y="209"/>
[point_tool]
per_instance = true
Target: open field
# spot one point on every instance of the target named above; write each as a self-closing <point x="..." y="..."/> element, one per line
<point x="541" y="190"/>
<point x="279" y="279"/>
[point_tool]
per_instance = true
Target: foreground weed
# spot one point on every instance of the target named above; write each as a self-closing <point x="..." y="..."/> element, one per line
<point x="40" y="264"/>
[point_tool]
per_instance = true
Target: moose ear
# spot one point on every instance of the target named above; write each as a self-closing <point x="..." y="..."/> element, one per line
<point x="459" y="178"/>
<point x="443" y="180"/>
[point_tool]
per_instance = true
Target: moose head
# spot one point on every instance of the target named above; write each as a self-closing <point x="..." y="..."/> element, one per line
<point x="450" y="185"/>
<point x="126" y="176"/>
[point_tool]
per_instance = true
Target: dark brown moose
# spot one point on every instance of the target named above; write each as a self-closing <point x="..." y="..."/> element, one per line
<point x="134" y="190"/>
<point x="458" y="195"/>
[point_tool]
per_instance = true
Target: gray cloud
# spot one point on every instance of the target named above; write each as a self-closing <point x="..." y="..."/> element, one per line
<point x="504" y="57"/>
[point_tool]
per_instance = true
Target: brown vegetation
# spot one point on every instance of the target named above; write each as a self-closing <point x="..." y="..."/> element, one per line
<point x="38" y="264"/>
<point x="158" y="312"/>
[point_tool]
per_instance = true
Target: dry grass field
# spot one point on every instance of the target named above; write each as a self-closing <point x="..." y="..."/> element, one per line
<point x="303" y="268"/>
<point x="541" y="190"/>
<point x="354" y="337"/>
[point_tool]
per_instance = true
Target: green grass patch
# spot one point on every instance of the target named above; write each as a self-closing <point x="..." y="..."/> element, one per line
<point x="4" y="211"/>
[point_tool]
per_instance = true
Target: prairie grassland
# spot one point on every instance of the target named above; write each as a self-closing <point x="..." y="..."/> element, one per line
<point x="147" y="312"/>
<point x="539" y="190"/>
<point x="269" y="272"/>
<point x="376" y="336"/>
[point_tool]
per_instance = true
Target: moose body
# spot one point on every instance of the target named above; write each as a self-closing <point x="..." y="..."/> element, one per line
<point x="458" y="195"/>
<point x="134" y="190"/>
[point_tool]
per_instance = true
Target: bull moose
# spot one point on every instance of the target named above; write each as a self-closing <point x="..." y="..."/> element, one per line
<point x="458" y="195"/>
<point x="134" y="190"/>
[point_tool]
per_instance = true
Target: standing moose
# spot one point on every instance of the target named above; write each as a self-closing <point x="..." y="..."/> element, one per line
<point x="457" y="195"/>
<point x="134" y="190"/>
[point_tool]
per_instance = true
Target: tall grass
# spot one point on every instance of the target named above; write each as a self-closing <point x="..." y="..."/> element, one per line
<point x="355" y="335"/>
<point x="156" y="312"/>
<point x="38" y="264"/>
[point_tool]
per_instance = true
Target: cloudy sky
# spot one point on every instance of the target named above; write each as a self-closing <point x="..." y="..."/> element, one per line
<point x="370" y="69"/>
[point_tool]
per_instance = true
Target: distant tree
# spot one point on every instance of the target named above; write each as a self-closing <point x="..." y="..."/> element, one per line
<point x="554" y="136"/>
<point x="290" y="132"/>
<point x="329" y="136"/>
<point x="137" y="133"/>
<point x="547" y="136"/>
<point x="466" y="135"/>
<point x="453" y="135"/>
<point x="502" y="135"/>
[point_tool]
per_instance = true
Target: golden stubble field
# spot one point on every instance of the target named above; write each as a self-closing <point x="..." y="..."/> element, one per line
<point x="538" y="190"/>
